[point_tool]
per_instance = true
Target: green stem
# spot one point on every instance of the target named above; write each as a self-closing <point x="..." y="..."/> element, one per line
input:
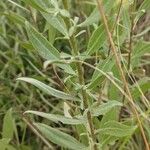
<point x="80" y="70"/>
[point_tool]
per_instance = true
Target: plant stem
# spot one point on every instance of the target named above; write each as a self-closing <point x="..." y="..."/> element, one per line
<point x="130" y="44"/>
<point x="80" y="70"/>
<point x="129" y="59"/>
<point x="116" y="22"/>
<point x="37" y="132"/>
<point x="84" y="95"/>
<point x="118" y="63"/>
<point x="117" y="17"/>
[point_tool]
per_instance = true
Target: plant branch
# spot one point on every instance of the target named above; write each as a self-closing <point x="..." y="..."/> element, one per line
<point x="118" y="15"/>
<point x="129" y="58"/>
<point x="84" y="94"/>
<point x="80" y="70"/>
<point x="118" y="63"/>
<point x="35" y="130"/>
<point x="116" y="21"/>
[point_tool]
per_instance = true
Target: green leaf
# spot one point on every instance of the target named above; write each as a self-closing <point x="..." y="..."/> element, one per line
<point x="3" y="42"/>
<point x="93" y="18"/>
<point x="51" y="33"/>
<point x="59" y="118"/>
<point x="124" y="28"/>
<point x="15" y="18"/>
<point x="25" y="147"/>
<point x="40" y="43"/>
<point x="51" y="14"/>
<point x="8" y="125"/>
<point x="97" y="40"/>
<point x="59" y="137"/>
<point x="95" y="15"/>
<point x="57" y="22"/>
<point x="144" y="7"/>
<point x="4" y="143"/>
<point x="126" y="21"/>
<point x="45" y="48"/>
<point x="40" y="5"/>
<point x="144" y="85"/>
<point x="47" y="89"/>
<point x="106" y="66"/>
<point x="104" y="108"/>
<point x="64" y="13"/>
<point x="10" y="147"/>
<point x="139" y="50"/>
<point x="112" y="115"/>
<point x="116" y="129"/>
<point x="43" y="5"/>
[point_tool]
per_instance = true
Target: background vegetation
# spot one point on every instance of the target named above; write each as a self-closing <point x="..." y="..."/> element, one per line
<point x="89" y="63"/>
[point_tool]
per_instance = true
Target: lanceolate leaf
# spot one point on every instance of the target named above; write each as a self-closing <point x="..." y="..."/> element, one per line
<point x="97" y="40"/>
<point x="47" y="89"/>
<point x="104" y="108"/>
<point x="3" y="42"/>
<point x="14" y="17"/>
<point x="57" y="22"/>
<point x="124" y="29"/>
<point x="45" y="48"/>
<point x="8" y="125"/>
<point x="37" y="4"/>
<point x="93" y="18"/>
<point x="106" y="66"/>
<point x="50" y="13"/>
<point x="4" y="144"/>
<point x="139" y="50"/>
<point x="51" y="33"/>
<point x="144" y="7"/>
<point x="116" y="129"/>
<point x="144" y="85"/>
<point x="59" y="118"/>
<point x="59" y="137"/>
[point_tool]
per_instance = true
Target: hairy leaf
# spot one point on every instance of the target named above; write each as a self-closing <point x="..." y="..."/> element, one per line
<point x="47" y="89"/>
<point x="117" y="129"/>
<point x="8" y="125"/>
<point x="104" y="108"/>
<point x="97" y="40"/>
<point x="59" y="137"/>
<point x="57" y="118"/>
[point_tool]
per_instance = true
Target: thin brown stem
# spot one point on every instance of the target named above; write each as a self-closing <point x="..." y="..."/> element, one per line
<point x="116" y="21"/>
<point x="59" y="81"/>
<point x="117" y="17"/>
<point x="129" y="59"/>
<point x="33" y="17"/>
<point x="37" y="132"/>
<point x="130" y="44"/>
<point x="118" y="63"/>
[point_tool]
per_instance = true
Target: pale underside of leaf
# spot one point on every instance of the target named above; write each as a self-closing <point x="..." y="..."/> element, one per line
<point x="60" y="138"/>
<point x="47" y="89"/>
<point x="104" y="108"/>
<point x="59" y="118"/>
<point x="117" y="129"/>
